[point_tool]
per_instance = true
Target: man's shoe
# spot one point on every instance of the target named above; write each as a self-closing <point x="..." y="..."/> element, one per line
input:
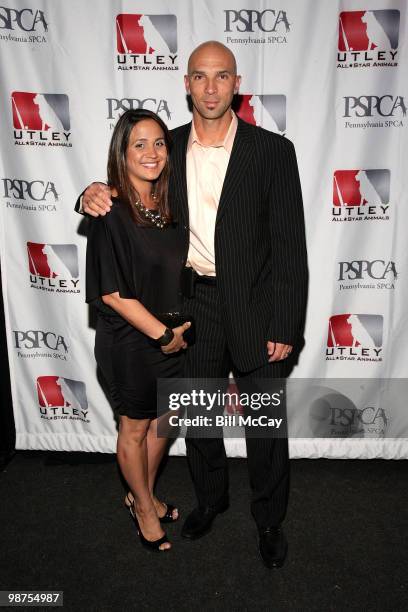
<point x="273" y="546"/>
<point x="200" y="520"/>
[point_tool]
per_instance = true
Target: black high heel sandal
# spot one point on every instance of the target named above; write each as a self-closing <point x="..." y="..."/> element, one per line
<point x="152" y="545"/>
<point x="168" y="515"/>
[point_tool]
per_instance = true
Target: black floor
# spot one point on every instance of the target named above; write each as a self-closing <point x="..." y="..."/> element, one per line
<point x="64" y="527"/>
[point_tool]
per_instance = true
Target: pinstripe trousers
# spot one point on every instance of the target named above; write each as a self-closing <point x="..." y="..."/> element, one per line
<point x="268" y="460"/>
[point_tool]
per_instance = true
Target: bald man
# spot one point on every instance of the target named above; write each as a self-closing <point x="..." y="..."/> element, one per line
<point x="235" y="189"/>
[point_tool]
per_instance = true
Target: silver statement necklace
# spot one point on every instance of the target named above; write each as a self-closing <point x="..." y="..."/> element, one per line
<point x="151" y="215"/>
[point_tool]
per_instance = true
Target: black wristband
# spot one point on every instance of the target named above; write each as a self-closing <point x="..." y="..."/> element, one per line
<point x="166" y="338"/>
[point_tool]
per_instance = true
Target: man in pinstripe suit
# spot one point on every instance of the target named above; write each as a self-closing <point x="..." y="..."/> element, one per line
<point x="236" y="191"/>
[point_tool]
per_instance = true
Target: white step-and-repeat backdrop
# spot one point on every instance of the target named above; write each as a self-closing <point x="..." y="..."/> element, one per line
<point x="331" y="76"/>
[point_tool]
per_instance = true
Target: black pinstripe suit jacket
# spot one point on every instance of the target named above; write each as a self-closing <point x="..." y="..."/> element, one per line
<point x="260" y="248"/>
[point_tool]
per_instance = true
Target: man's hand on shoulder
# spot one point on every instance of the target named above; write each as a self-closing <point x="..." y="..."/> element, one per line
<point x="96" y="200"/>
<point x="278" y="351"/>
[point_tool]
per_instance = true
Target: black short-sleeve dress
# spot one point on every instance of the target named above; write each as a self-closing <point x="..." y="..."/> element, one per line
<point x="143" y="263"/>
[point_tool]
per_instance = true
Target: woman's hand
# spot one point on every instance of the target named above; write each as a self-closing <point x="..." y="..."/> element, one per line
<point x="178" y="341"/>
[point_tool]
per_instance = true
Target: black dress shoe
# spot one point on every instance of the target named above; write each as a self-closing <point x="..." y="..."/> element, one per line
<point x="272" y="546"/>
<point x="200" y="520"/>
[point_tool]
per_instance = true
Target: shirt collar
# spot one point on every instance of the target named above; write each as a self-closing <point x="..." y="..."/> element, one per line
<point x="228" y="141"/>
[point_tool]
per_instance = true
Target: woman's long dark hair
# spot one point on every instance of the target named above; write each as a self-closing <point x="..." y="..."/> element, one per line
<point x="117" y="169"/>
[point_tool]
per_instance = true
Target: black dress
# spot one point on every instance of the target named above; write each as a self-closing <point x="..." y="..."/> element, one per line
<point x="142" y="263"/>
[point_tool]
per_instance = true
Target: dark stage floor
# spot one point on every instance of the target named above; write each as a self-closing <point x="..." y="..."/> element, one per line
<point x="64" y="527"/>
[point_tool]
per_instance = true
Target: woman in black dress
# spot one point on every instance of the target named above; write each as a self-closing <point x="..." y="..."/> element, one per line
<point x="133" y="265"/>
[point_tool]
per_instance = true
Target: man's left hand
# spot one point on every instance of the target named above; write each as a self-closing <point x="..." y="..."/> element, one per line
<point x="278" y="351"/>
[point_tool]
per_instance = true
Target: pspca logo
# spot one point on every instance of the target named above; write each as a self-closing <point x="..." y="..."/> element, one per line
<point x="370" y="111"/>
<point x="62" y="399"/>
<point x="117" y="106"/>
<point x="268" y="26"/>
<point x="355" y="337"/>
<point x="366" y="274"/>
<point x="37" y="343"/>
<point x="24" y="195"/>
<point x="41" y="119"/>
<point x="368" y="39"/>
<point x="334" y="415"/>
<point x="267" y="111"/>
<point x="53" y="267"/>
<point x="146" y="42"/>
<point x="25" y="25"/>
<point x="367" y="422"/>
<point x="361" y="195"/>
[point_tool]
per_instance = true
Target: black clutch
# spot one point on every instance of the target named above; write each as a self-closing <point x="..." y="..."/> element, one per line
<point x="175" y="319"/>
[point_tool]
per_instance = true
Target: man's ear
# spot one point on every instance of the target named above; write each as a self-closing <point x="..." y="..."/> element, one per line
<point x="187" y="83"/>
<point x="237" y="84"/>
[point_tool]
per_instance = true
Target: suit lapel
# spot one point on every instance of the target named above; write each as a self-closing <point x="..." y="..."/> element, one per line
<point x="178" y="167"/>
<point x="241" y="154"/>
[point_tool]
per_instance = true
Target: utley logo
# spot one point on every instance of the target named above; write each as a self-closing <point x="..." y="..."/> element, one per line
<point x="373" y="274"/>
<point x="34" y="343"/>
<point x="37" y="195"/>
<point x="361" y="195"/>
<point x="26" y="25"/>
<point x="232" y="404"/>
<point x="355" y="337"/>
<point x="62" y="399"/>
<point x="41" y="119"/>
<point x="267" y="111"/>
<point x="146" y="42"/>
<point x="384" y="111"/>
<point x="368" y="38"/>
<point x="117" y="106"/>
<point x="269" y="26"/>
<point x="53" y="267"/>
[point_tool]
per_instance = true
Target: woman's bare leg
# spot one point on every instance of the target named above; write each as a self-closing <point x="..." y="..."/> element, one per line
<point x="133" y="462"/>
<point x="156" y="447"/>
